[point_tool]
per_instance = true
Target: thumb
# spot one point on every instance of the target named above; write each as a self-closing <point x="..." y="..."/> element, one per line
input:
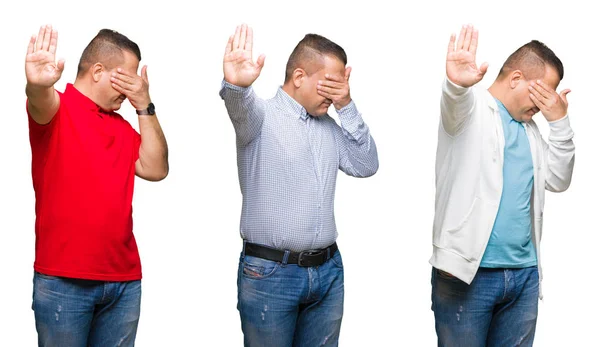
<point x="483" y="68"/>
<point x="348" y="71"/>
<point x="145" y="73"/>
<point x="563" y="94"/>
<point x="60" y="66"/>
<point x="260" y="61"/>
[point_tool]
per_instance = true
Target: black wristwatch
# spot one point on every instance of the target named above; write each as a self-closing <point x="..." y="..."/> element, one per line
<point x="147" y="112"/>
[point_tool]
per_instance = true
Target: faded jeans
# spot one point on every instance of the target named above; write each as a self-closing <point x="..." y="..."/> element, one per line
<point x="285" y="305"/>
<point x="499" y="308"/>
<point x="81" y="313"/>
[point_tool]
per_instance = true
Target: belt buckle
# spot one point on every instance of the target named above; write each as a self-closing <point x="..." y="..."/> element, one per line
<point x="305" y="258"/>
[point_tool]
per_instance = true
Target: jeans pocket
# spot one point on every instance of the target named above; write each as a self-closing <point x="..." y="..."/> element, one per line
<point x="258" y="268"/>
<point x="337" y="259"/>
<point x="445" y="275"/>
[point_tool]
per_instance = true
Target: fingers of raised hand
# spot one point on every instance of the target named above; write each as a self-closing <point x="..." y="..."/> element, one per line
<point x="467" y="41"/>
<point x="461" y="38"/>
<point x="47" y="36"/>
<point x="451" y="44"/>
<point x="249" y="39"/>
<point x="46" y="40"/>
<point x="53" y="42"/>
<point x="474" y="42"/>
<point x="31" y="46"/>
<point x="236" y="38"/>
<point x="229" y="46"/>
<point x="40" y="38"/>
<point x="243" y="33"/>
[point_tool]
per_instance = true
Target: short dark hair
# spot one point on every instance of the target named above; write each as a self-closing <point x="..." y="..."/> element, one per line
<point x="533" y="56"/>
<point x="311" y="48"/>
<point x="107" y="45"/>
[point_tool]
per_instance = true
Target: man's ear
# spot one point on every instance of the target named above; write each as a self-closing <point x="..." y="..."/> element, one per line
<point x="298" y="77"/>
<point x="97" y="70"/>
<point x="515" y="77"/>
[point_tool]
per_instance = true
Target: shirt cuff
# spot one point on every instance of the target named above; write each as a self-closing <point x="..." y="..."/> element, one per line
<point x="453" y="88"/>
<point x="349" y="111"/>
<point x="561" y="128"/>
<point x="234" y="91"/>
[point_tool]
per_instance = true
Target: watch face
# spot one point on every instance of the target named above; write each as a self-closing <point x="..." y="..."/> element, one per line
<point x="151" y="108"/>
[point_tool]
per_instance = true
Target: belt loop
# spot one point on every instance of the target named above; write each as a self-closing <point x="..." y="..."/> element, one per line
<point x="244" y="249"/>
<point x="328" y="253"/>
<point x="286" y="255"/>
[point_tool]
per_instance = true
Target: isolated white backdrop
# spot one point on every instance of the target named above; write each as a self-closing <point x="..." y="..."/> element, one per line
<point x="187" y="226"/>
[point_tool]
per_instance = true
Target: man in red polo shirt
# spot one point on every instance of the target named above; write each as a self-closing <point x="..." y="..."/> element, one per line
<point x="85" y="156"/>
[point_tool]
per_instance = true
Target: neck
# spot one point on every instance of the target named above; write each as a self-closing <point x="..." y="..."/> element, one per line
<point x="290" y="90"/>
<point x="84" y="87"/>
<point x="498" y="91"/>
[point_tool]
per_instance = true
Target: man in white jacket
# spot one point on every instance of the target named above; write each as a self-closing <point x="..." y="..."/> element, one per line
<point x="492" y="170"/>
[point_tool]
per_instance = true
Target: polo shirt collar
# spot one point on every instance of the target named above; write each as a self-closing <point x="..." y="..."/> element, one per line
<point x="84" y="101"/>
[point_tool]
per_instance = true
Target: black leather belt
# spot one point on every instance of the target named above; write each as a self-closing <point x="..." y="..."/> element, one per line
<point x="304" y="258"/>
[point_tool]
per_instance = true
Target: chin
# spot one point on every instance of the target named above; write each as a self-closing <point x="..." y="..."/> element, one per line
<point x="322" y="111"/>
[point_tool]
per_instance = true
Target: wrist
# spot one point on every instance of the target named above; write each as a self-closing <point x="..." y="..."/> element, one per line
<point x="36" y="88"/>
<point x="148" y="111"/>
<point x="554" y="118"/>
<point x="342" y="104"/>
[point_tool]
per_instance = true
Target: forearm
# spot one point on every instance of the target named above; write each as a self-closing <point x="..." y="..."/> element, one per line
<point x="42" y="103"/>
<point x="245" y="110"/>
<point x="456" y="106"/>
<point x="358" y="153"/>
<point x="153" y="161"/>
<point x="560" y="155"/>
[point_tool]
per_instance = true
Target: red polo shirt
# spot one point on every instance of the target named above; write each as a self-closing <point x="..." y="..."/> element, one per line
<point x="83" y="169"/>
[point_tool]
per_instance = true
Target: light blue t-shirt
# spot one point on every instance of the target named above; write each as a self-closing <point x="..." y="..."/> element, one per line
<point x="510" y="244"/>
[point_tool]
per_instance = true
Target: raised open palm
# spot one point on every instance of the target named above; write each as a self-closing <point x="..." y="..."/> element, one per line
<point x="238" y="67"/>
<point x="41" y="68"/>
<point x="461" y="67"/>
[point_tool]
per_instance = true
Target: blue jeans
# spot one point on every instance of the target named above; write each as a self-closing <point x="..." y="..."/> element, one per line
<point x="284" y="305"/>
<point x="499" y="308"/>
<point x="81" y="313"/>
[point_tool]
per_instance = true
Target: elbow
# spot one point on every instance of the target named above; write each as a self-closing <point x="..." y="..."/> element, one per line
<point x="155" y="174"/>
<point x="559" y="186"/>
<point x="161" y="173"/>
<point x="373" y="171"/>
<point x="370" y="171"/>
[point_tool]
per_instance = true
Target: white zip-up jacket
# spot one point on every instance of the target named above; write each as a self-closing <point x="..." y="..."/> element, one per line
<point x="469" y="180"/>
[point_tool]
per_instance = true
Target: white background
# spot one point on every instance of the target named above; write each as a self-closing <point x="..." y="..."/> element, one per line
<point x="187" y="226"/>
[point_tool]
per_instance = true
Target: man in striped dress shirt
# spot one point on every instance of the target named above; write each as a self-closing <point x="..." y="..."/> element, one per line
<point x="290" y="279"/>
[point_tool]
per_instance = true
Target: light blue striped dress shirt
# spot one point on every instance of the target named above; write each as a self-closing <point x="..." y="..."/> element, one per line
<point x="287" y="166"/>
